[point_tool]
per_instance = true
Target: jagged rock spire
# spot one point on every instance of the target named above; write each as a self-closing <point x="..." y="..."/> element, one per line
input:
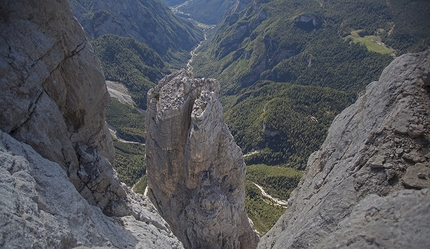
<point x="195" y="169"/>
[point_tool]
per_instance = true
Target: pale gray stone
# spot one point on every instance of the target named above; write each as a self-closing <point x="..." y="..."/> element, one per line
<point x="195" y="169"/>
<point x="52" y="98"/>
<point x="417" y="176"/>
<point x="53" y="93"/>
<point x="40" y="208"/>
<point x="353" y="191"/>
<point x="394" y="221"/>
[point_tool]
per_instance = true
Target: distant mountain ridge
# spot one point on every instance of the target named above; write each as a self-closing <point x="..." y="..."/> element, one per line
<point x="147" y="21"/>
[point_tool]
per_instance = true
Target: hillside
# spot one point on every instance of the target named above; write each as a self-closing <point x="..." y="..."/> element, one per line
<point x="328" y="46"/>
<point x="147" y="21"/>
<point x="207" y="12"/>
<point x="137" y="41"/>
<point x="368" y="184"/>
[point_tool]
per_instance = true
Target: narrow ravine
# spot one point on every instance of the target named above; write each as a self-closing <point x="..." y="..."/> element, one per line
<point x="193" y="53"/>
<point x="279" y="202"/>
<point x="205" y="27"/>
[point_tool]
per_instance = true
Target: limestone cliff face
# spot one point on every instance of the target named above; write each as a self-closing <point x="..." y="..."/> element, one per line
<point x="52" y="98"/>
<point x="40" y="208"/>
<point x="195" y="170"/>
<point x="367" y="187"/>
<point x="53" y="94"/>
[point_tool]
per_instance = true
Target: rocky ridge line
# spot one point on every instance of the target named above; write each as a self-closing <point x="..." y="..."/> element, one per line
<point x="367" y="187"/>
<point x="195" y="169"/>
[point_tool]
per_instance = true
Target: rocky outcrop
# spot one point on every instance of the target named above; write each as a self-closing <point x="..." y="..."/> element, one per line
<point x="366" y="186"/>
<point x="195" y="170"/>
<point x="53" y="95"/>
<point x="40" y="208"/>
<point x="308" y="22"/>
<point x="52" y="98"/>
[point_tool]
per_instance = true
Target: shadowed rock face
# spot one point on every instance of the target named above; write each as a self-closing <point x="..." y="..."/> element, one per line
<point x="53" y="95"/>
<point x="367" y="187"/>
<point x="195" y="170"/>
<point x="56" y="178"/>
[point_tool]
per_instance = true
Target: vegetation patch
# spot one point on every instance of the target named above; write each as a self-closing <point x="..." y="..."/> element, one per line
<point x="128" y="121"/>
<point x="129" y="162"/>
<point x="372" y="42"/>
<point x="262" y="211"/>
<point x="285" y="123"/>
<point x="131" y="63"/>
<point x="277" y="181"/>
<point x="140" y="185"/>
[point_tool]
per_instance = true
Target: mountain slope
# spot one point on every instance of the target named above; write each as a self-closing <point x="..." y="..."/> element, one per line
<point x="368" y="184"/>
<point x="270" y="40"/>
<point x="326" y="45"/>
<point x="207" y="12"/>
<point x="147" y="21"/>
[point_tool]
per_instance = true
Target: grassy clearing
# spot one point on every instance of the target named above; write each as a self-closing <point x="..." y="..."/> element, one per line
<point x="372" y="42"/>
<point x="140" y="185"/>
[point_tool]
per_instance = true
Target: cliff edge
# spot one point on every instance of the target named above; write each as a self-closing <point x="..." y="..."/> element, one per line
<point x="367" y="187"/>
<point x="57" y="185"/>
<point x="195" y="170"/>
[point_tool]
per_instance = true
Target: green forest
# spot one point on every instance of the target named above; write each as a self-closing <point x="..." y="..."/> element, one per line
<point x="131" y="63"/>
<point x="277" y="181"/>
<point x="263" y="60"/>
<point x="282" y="123"/>
<point x="263" y="212"/>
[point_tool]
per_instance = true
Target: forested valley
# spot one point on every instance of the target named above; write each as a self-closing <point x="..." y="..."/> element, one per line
<point x="286" y="69"/>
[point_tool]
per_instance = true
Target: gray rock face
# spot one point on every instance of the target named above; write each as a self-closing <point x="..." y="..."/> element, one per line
<point x="195" y="170"/>
<point x="53" y="95"/>
<point x="365" y="187"/>
<point x="40" y="208"/>
<point x="52" y="98"/>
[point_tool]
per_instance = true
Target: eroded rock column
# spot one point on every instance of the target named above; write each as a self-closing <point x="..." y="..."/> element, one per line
<point x="195" y="169"/>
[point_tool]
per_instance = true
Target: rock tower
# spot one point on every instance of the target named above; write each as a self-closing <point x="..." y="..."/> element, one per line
<point x="195" y="169"/>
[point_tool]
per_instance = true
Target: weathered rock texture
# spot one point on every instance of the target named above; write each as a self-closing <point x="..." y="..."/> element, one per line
<point x="195" y="170"/>
<point x="52" y="97"/>
<point x="366" y="186"/>
<point x="40" y="208"/>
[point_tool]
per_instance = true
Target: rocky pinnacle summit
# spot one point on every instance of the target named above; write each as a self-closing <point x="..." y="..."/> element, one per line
<point x="195" y="169"/>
